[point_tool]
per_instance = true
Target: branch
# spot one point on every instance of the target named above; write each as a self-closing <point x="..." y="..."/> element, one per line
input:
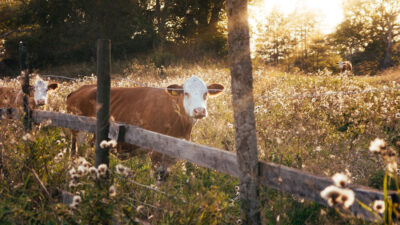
<point x="19" y="31"/>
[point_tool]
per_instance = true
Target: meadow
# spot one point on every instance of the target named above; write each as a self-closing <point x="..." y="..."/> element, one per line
<point x="322" y="123"/>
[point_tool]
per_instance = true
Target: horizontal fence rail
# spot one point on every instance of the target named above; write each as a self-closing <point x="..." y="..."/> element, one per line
<point x="278" y="177"/>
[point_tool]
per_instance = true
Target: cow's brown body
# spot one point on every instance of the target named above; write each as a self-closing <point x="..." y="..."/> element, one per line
<point x="150" y="108"/>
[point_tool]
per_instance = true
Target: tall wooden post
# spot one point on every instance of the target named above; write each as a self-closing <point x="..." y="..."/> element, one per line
<point x="103" y="99"/>
<point x="25" y="86"/>
<point x="243" y="108"/>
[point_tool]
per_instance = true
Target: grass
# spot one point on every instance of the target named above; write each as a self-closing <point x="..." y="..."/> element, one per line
<point x="298" y="125"/>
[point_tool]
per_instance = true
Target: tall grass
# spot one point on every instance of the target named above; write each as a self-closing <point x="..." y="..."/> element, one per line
<point x="298" y="125"/>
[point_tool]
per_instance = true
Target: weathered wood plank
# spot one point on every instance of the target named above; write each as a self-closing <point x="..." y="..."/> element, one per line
<point x="81" y="123"/>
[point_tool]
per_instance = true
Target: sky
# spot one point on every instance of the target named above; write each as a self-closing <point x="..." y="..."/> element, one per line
<point x="330" y="11"/>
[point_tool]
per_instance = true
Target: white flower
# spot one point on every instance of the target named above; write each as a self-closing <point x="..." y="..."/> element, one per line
<point x="76" y="199"/>
<point x="108" y="144"/>
<point x="379" y="206"/>
<point x="82" y="170"/>
<point x="377" y="145"/>
<point x="102" y="169"/>
<point x="340" y="180"/>
<point x="93" y="172"/>
<point x="392" y="167"/>
<point x="103" y="144"/>
<point x="336" y="196"/>
<point x="113" y="191"/>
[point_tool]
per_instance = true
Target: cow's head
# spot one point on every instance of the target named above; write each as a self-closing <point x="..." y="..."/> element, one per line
<point x="40" y="91"/>
<point x="195" y="93"/>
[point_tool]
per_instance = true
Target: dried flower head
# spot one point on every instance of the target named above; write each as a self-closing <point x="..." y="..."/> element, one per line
<point x="72" y="184"/>
<point x="81" y="161"/>
<point x="82" y="170"/>
<point x="140" y="208"/>
<point x="377" y="146"/>
<point x="391" y="167"/>
<point x="102" y="170"/>
<point x="27" y="137"/>
<point x="76" y="199"/>
<point x="103" y="144"/>
<point x="379" y="206"/>
<point x="108" y="144"/>
<point x="341" y="180"/>
<point x="113" y="191"/>
<point x="336" y="196"/>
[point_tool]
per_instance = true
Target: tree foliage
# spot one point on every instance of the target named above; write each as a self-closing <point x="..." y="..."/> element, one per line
<point x="369" y="34"/>
<point x="65" y="31"/>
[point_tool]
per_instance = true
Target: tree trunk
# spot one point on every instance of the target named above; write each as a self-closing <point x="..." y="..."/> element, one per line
<point x="387" y="62"/>
<point x="243" y="107"/>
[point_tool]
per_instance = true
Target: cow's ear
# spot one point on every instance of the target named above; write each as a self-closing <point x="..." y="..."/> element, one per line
<point x="175" y="89"/>
<point x="52" y="86"/>
<point x="215" y="89"/>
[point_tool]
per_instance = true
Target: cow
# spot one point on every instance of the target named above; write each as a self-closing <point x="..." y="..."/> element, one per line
<point x="12" y="97"/>
<point x="171" y="111"/>
<point x="345" y="66"/>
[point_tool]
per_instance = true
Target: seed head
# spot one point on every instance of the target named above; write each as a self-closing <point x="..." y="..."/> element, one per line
<point x="379" y="206"/>
<point x="336" y="196"/>
<point x="377" y="146"/>
<point x="340" y="180"/>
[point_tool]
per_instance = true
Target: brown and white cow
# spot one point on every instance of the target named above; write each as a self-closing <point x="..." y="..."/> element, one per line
<point x="12" y="98"/>
<point x="172" y="111"/>
<point x="345" y="66"/>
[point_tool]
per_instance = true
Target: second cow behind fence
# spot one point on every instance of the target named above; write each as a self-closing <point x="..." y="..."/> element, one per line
<point x="12" y="98"/>
<point x="171" y="111"/>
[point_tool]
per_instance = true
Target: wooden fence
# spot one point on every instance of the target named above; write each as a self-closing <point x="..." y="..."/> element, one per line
<point x="278" y="177"/>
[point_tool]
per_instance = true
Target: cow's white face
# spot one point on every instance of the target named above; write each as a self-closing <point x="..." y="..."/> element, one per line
<point x="340" y="65"/>
<point x="195" y="93"/>
<point x="195" y="98"/>
<point x="40" y="91"/>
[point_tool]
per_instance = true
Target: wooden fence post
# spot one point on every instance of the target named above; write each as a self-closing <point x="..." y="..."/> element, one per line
<point x="103" y="99"/>
<point x="25" y="86"/>
<point x="243" y="108"/>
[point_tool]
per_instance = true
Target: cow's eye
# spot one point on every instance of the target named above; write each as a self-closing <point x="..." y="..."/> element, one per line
<point x="187" y="94"/>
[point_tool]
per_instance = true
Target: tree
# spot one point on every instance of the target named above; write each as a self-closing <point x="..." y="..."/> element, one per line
<point x="243" y="108"/>
<point x="369" y="33"/>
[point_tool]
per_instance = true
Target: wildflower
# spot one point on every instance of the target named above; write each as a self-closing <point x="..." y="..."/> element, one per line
<point x="338" y="196"/>
<point x="103" y="144"/>
<point x="392" y="167"/>
<point x="27" y="137"/>
<point x="82" y="170"/>
<point x="377" y="146"/>
<point x="139" y="208"/>
<point x="113" y="191"/>
<point x="86" y="165"/>
<point x="112" y="143"/>
<point x="72" y="184"/>
<point x="108" y="144"/>
<point x="102" y="170"/>
<point x="60" y="155"/>
<point x="379" y="206"/>
<point x="77" y="199"/>
<point x="340" y="180"/>
<point x="81" y="161"/>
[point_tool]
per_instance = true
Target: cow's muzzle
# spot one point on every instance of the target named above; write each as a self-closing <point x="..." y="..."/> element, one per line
<point x="199" y="113"/>
<point x="40" y="102"/>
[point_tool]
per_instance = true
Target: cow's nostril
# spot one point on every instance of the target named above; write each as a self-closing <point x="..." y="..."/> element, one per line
<point x="199" y="112"/>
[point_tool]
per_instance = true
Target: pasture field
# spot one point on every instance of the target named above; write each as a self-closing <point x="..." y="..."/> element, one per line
<point x="322" y="123"/>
